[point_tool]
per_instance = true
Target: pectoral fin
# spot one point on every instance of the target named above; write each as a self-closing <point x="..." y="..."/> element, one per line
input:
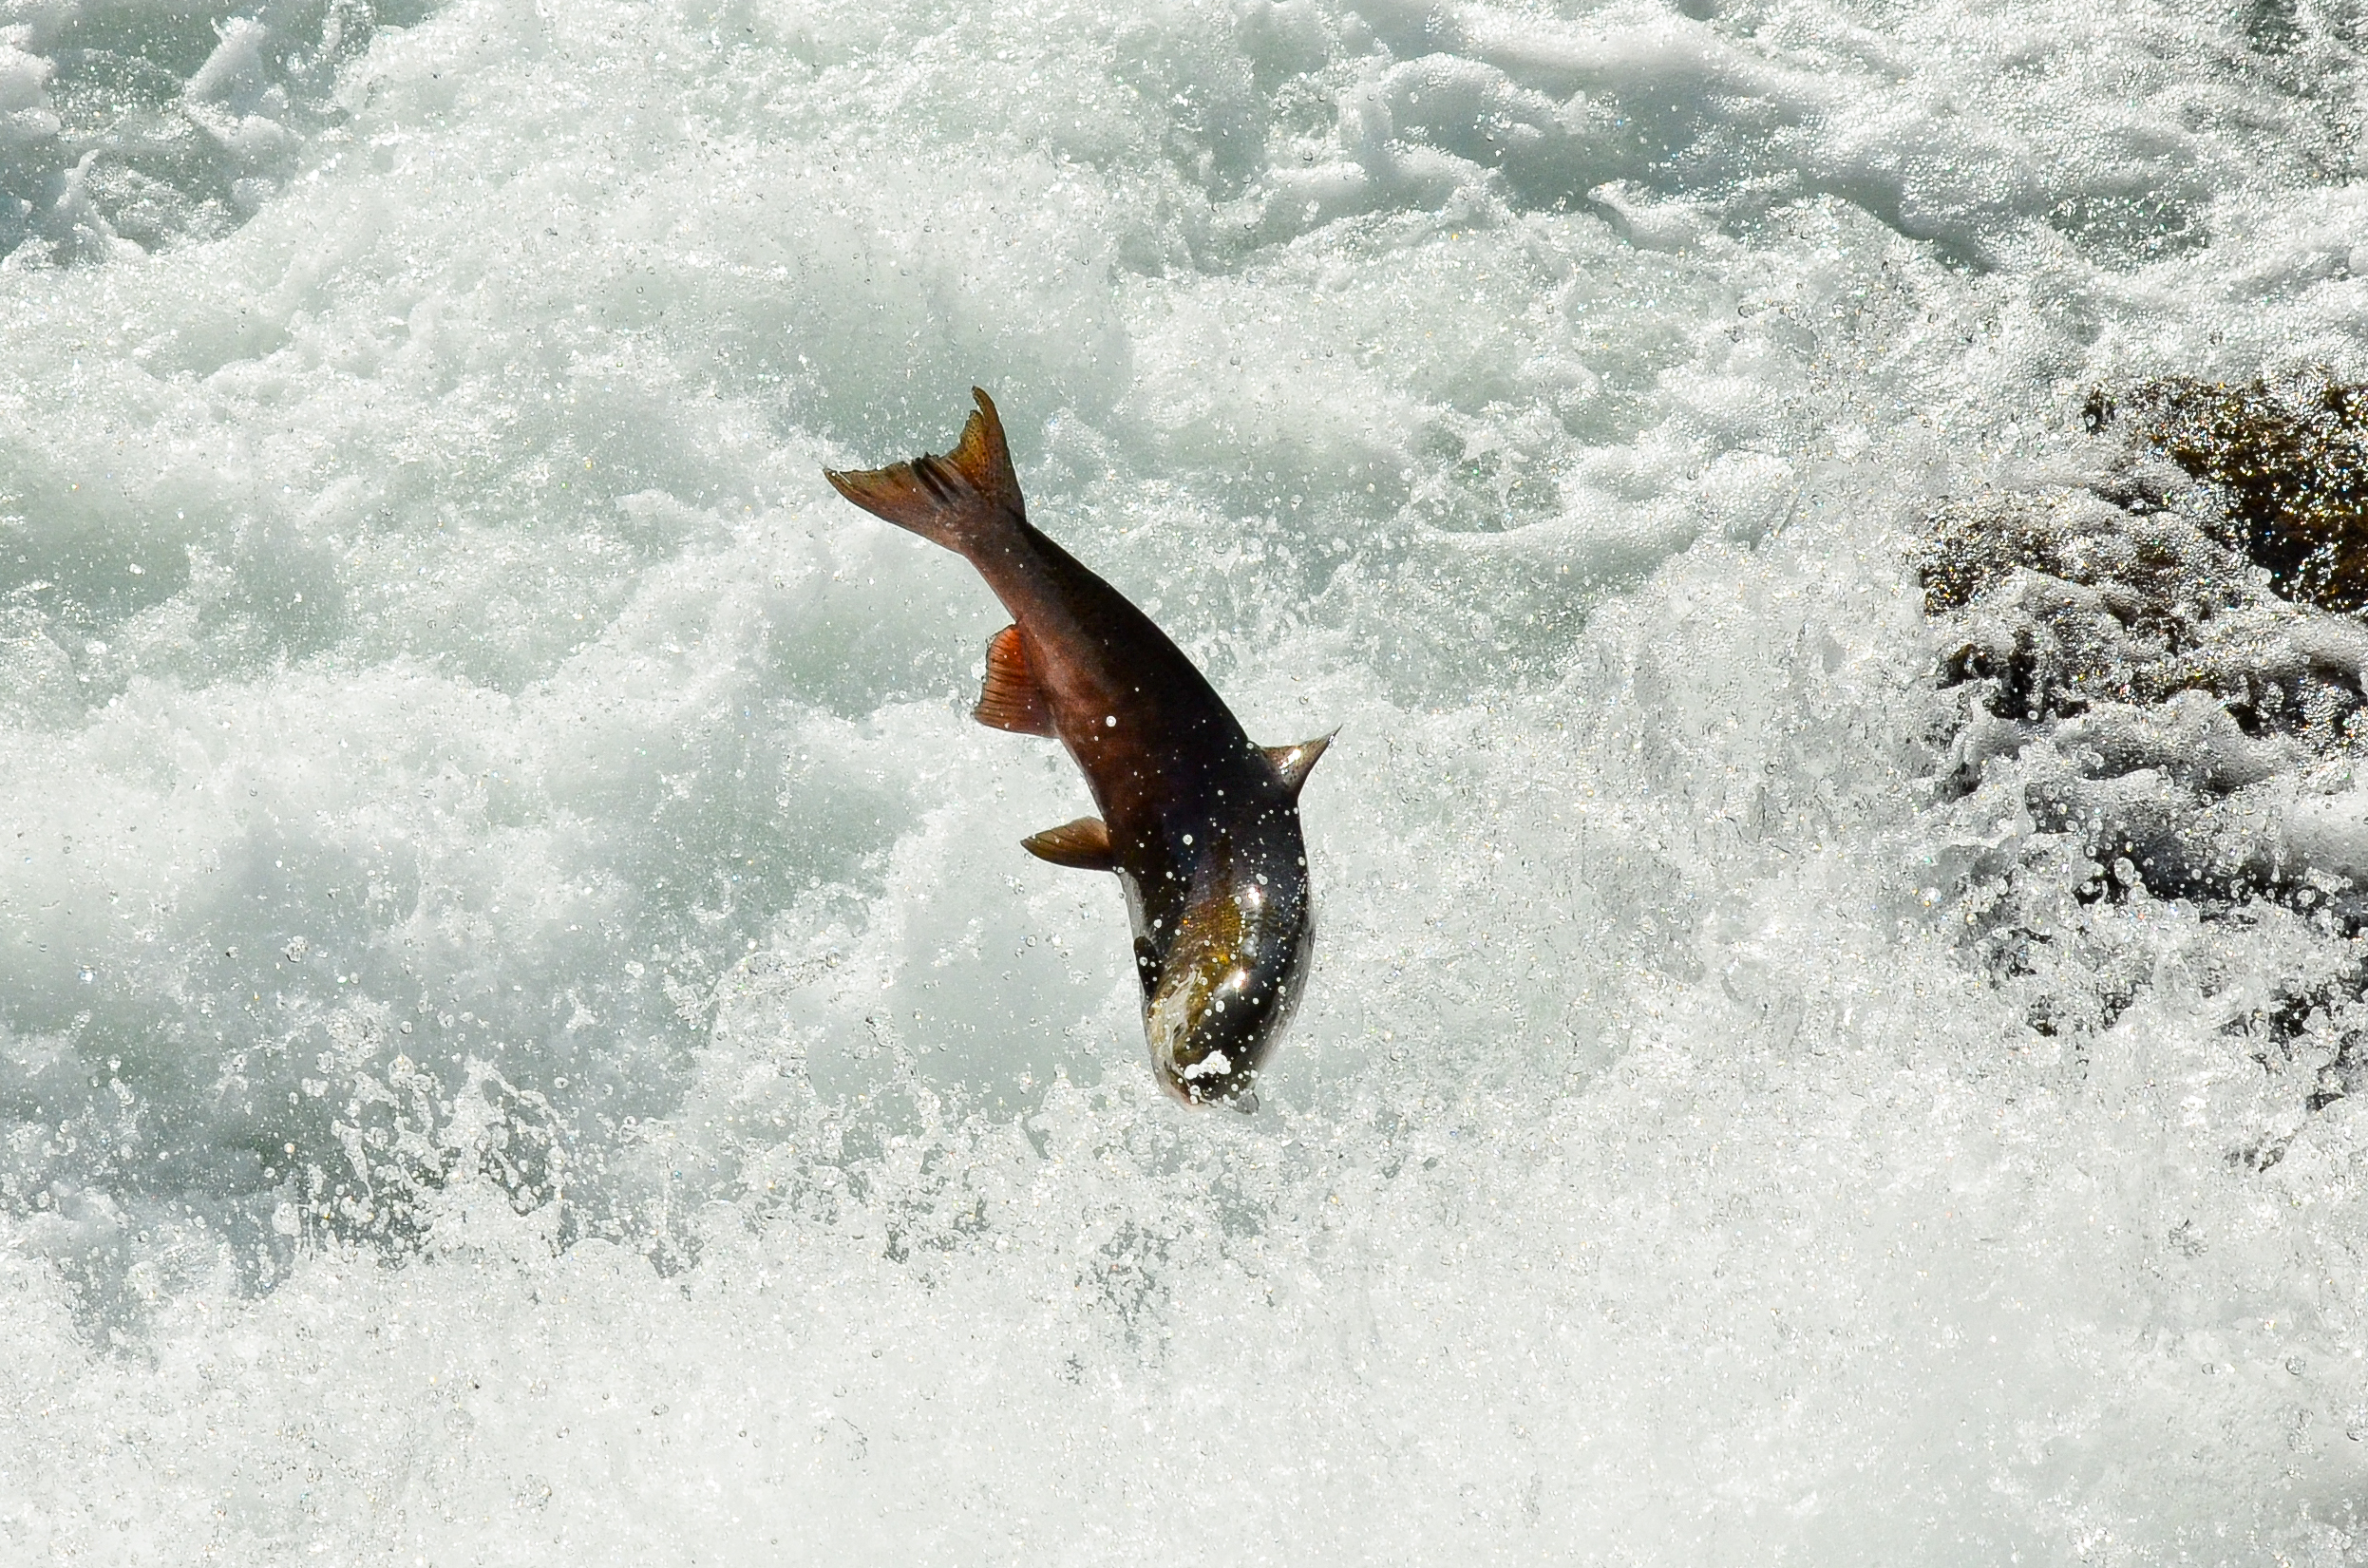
<point x="1010" y="698"/>
<point x="1295" y="762"/>
<point x="1084" y="843"/>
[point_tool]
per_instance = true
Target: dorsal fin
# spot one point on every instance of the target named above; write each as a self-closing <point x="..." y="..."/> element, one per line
<point x="1010" y="697"/>
<point x="957" y="499"/>
<point x="1296" y="762"/>
<point x="1084" y="843"/>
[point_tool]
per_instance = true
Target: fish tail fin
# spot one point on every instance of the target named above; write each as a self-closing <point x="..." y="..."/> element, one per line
<point x="955" y="499"/>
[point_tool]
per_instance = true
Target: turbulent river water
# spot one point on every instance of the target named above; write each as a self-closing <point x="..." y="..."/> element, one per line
<point x="527" y="1035"/>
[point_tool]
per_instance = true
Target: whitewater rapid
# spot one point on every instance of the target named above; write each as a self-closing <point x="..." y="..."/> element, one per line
<point x="527" y="1034"/>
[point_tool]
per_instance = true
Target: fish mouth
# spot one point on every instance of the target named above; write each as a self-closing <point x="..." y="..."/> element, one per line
<point x="1213" y="1081"/>
<point x="1204" y="1091"/>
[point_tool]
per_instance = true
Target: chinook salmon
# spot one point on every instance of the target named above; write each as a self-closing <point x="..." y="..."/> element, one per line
<point x="1201" y="825"/>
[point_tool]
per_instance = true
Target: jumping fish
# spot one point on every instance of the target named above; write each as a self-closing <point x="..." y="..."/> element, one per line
<point x="1201" y="825"/>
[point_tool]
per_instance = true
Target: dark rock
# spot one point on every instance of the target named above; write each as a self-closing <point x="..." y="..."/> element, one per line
<point x="2289" y="458"/>
<point x="2157" y="693"/>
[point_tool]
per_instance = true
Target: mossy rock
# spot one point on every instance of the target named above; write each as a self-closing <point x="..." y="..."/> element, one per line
<point x="2291" y="458"/>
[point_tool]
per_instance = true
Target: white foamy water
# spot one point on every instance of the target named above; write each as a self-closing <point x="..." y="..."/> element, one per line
<point x="527" y="1034"/>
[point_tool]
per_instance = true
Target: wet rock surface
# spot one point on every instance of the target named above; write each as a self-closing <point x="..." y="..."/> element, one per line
<point x="2155" y="683"/>
<point x="2288" y="461"/>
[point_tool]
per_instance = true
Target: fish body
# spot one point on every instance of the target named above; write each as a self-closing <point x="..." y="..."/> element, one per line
<point x="1200" y="824"/>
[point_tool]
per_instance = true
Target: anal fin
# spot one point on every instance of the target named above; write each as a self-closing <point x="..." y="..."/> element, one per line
<point x="1010" y="698"/>
<point x="1084" y="843"/>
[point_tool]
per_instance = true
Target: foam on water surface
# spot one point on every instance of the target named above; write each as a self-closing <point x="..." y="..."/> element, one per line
<point x="525" y="1032"/>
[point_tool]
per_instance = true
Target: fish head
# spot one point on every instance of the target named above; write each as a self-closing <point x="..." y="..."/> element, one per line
<point x="1229" y="985"/>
